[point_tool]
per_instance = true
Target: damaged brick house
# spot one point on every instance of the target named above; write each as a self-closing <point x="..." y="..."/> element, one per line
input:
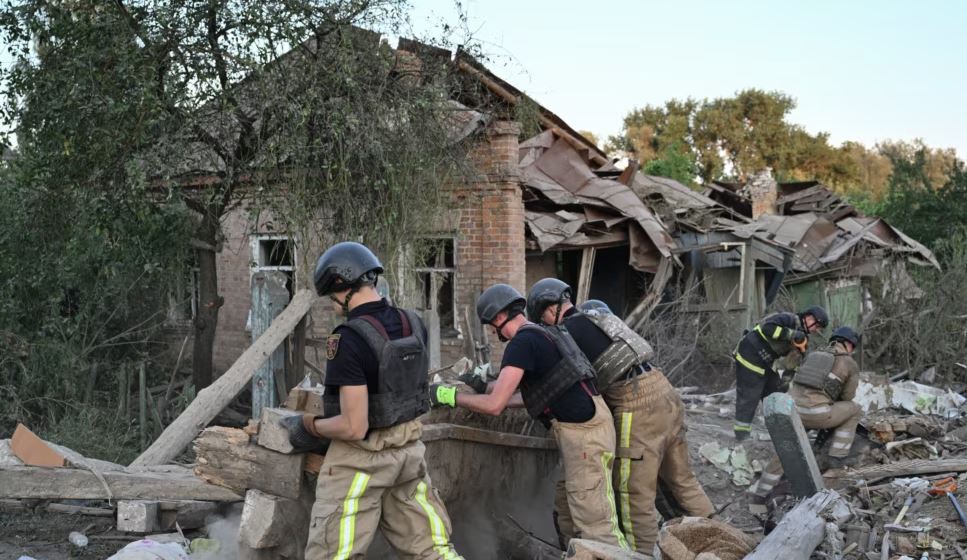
<point x="551" y="203"/>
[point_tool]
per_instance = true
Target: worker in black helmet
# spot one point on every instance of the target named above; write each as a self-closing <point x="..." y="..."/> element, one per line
<point x="648" y="413"/>
<point x="774" y="337"/>
<point x="824" y="388"/>
<point x="556" y="384"/>
<point x="374" y="476"/>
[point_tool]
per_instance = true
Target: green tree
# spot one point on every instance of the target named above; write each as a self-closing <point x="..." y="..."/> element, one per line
<point x="675" y="163"/>
<point x="219" y="104"/>
<point x="732" y="137"/>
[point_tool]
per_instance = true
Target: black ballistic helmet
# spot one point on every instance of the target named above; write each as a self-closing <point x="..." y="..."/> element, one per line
<point x="818" y="313"/>
<point x="595" y="306"/>
<point x="345" y="265"/>
<point x="496" y="299"/>
<point x="847" y="334"/>
<point x="545" y="292"/>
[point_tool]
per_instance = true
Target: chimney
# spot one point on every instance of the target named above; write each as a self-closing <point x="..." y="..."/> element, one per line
<point x="762" y="190"/>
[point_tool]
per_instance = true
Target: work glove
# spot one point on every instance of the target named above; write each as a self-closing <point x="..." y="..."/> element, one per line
<point x="800" y="341"/>
<point x="475" y="382"/>
<point x="301" y="438"/>
<point x="441" y="395"/>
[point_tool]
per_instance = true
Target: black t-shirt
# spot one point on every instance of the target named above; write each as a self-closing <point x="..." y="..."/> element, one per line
<point x="533" y="352"/>
<point x="354" y="362"/>
<point x="591" y="340"/>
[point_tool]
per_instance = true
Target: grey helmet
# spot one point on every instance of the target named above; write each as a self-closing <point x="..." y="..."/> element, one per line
<point x="546" y="292"/>
<point x="847" y="334"/>
<point x="498" y="298"/>
<point x="595" y="306"/>
<point x="345" y="265"/>
<point x="818" y="313"/>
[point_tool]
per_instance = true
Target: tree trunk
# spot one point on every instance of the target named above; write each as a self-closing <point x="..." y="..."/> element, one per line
<point x="209" y="302"/>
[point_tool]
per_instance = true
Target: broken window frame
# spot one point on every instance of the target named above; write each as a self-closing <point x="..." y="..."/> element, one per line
<point x="449" y="330"/>
<point x="181" y="310"/>
<point x="256" y="266"/>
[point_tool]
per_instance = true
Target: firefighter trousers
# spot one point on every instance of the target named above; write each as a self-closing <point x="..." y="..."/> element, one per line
<point x="585" y="503"/>
<point x="649" y="424"/>
<point x="750" y="388"/>
<point x="842" y="416"/>
<point x="378" y="483"/>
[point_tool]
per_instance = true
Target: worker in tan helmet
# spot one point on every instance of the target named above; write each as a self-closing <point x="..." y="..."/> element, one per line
<point x="823" y="389"/>
<point x="648" y="413"/>
<point x="374" y="477"/>
<point x="557" y="387"/>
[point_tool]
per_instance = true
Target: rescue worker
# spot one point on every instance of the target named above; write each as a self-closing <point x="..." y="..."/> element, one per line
<point x="374" y="476"/>
<point x="648" y="413"/>
<point x="772" y="338"/>
<point x="557" y="387"/>
<point x="824" y="387"/>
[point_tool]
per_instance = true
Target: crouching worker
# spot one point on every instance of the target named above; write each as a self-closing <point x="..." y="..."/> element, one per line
<point x="557" y="387"/>
<point x="776" y="336"/>
<point x="374" y="476"/>
<point x="823" y="388"/>
<point x="648" y="413"/>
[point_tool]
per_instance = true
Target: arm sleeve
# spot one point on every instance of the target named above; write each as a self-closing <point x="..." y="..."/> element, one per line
<point x="780" y="326"/>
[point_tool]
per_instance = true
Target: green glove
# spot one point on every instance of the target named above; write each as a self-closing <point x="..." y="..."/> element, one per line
<point x="441" y="395"/>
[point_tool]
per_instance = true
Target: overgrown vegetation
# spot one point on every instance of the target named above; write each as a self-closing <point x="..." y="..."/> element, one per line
<point x="140" y="125"/>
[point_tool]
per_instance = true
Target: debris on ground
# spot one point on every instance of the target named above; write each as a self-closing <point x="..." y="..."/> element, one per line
<point x="732" y="460"/>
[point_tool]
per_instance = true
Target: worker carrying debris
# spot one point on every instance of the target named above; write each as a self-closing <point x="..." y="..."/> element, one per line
<point x="374" y="476"/>
<point x="823" y="388"/>
<point x="648" y="413"/>
<point x="557" y="387"/>
<point x="773" y="337"/>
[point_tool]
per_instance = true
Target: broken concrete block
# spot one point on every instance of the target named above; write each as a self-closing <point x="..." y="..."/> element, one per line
<point x="138" y="516"/>
<point x="792" y="444"/>
<point x="272" y="435"/>
<point x="271" y="521"/>
<point x="34" y="451"/>
<point x="583" y="549"/>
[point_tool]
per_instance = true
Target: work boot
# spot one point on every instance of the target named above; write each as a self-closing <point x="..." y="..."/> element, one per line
<point x="742" y="435"/>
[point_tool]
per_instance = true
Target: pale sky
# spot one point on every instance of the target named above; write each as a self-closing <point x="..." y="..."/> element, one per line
<point x="859" y="70"/>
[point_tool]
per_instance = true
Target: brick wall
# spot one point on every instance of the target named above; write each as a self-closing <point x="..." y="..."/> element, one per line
<point x="487" y="216"/>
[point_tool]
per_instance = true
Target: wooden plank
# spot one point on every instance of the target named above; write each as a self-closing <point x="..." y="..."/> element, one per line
<point x="211" y="400"/>
<point x="226" y="457"/>
<point x="585" y="274"/>
<point x="32" y="450"/>
<point x="78" y="484"/>
<point x="269" y="298"/>
<point x="903" y="468"/>
<point x="802" y="529"/>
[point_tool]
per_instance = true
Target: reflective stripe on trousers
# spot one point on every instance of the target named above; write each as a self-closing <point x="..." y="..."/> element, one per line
<point x="606" y="462"/>
<point x="438" y="532"/>
<point x="347" y="523"/>
<point x="624" y="440"/>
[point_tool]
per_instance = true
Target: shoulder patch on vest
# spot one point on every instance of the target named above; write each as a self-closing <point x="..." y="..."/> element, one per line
<point x="332" y="345"/>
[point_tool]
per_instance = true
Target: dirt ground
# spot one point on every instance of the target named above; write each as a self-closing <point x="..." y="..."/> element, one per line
<point x="43" y="535"/>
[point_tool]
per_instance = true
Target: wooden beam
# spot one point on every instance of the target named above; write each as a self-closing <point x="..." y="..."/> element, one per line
<point x="211" y="400"/>
<point x="642" y="311"/>
<point x="803" y="529"/>
<point x="903" y="468"/>
<point x="584" y="277"/>
<point x="226" y="457"/>
<point x="78" y="484"/>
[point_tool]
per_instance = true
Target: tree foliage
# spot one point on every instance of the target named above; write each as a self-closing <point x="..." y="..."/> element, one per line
<point x="225" y="104"/>
<point x="732" y="137"/>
